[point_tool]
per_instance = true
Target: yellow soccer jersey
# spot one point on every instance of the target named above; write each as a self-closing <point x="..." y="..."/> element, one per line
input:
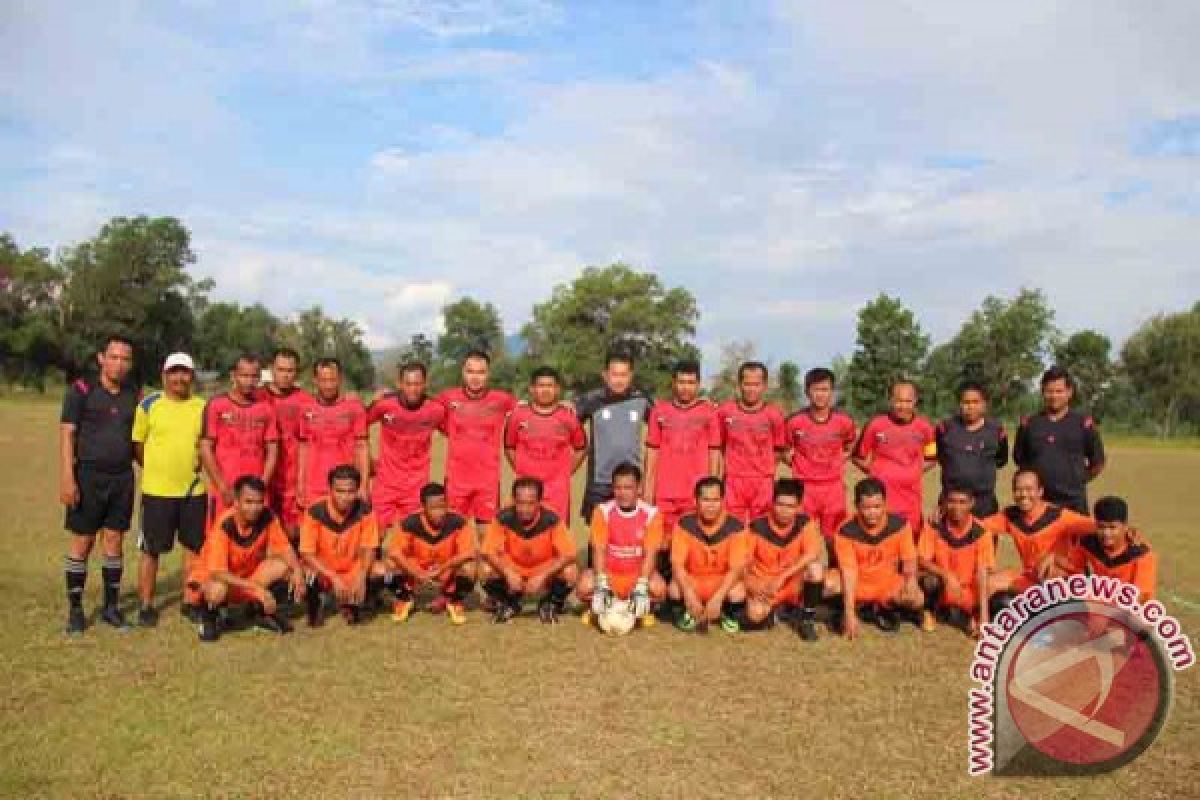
<point x="170" y="433"/>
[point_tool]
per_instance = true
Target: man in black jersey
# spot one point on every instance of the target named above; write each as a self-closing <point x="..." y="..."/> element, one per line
<point x="970" y="448"/>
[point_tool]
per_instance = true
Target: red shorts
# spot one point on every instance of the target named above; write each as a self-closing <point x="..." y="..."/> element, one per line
<point x="393" y="504"/>
<point x="283" y="503"/>
<point x="556" y="495"/>
<point x="477" y="504"/>
<point x="672" y="509"/>
<point x="748" y="498"/>
<point x="907" y="503"/>
<point x="825" y="502"/>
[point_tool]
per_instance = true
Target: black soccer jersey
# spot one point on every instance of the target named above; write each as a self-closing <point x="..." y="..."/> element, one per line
<point x="1061" y="451"/>
<point x="971" y="457"/>
<point x="103" y="425"/>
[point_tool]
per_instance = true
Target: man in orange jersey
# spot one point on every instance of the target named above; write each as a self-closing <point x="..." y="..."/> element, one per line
<point x="246" y="558"/>
<point x="528" y="551"/>
<point x="1116" y="550"/>
<point x="957" y="556"/>
<point x="434" y="547"/>
<point x="785" y="562"/>
<point x="338" y="539"/>
<point x="877" y="562"/>
<point x="1043" y="534"/>
<point x="709" y="554"/>
<point x="626" y="537"/>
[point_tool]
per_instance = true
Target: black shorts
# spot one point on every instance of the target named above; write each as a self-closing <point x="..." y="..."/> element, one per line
<point x="105" y="502"/>
<point x="164" y="517"/>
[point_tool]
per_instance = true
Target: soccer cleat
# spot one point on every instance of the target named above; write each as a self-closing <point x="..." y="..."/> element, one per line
<point x="113" y="616"/>
<point x="587" y="618"/>
<point x="147" y="617"/>
<point x="402" y="610"/>
<point x="806" y="626"/>
<point x="504" y="614"/>
<point x="729" y="624"/>
<point x="313" y="609"/>
<point x="647" y="621"/>
<point x="886" y="620"/>
<point x="193" y="614"/>
<point x="456" y="613"/>
<point x="76" y="622"/>
<point x="928" y="621"/>
<point x="210" y="629"/>
<point x="685" y="622"/>
<point x="351" y="614"/>
<point x="273" y="623"/>
<point x="548" y="613"/>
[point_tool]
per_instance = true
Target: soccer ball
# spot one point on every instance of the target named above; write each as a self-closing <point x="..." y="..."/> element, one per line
<point x="618" y="620"/>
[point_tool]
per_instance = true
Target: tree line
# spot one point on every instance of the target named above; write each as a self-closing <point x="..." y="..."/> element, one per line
<point x="133" y="278"/>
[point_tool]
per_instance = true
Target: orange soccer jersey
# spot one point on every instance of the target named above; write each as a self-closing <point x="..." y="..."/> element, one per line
<point x="624" y="537"/>
<point x="236" y="549"/>
<point x="1135" y="565"/>
<point x="1055" y="530"/>
<point x="962" y="553"/>
<point x="773" y="550"/>
<point x="337" y="541"/>
<point x="419" y="541"/>
<point x="709" y="554"/>
<point x="528" y="547"/>
<point x="874" y="556"/>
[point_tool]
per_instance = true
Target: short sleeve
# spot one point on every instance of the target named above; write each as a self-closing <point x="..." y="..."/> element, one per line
<point x="739" y="550"/>
<point x="1093" y="445"/>
<point x="564" y="545"/>
<point x="866" y="442"/>
<point x="369" y="535"/>
<point x="400" y="544"/>
<point x="908" y="549"/>
<point x="578" y="435"/>
<point x="1076" y="525"/>
<point x="493" y="540"/>
<point x="927" y="545"/>
<point x="778" y="430"/>
<point x="1145" y="576"/>
<point x="141" y="423"/>
<point x="1021" y="455"/>
<point x="308" y="535"/>
<point x="277" y="541"/>
<point x="654" y="534"/>
<point x="653" y="430"/>
<point x="511" y="427"/>
<point x="1076" y="561"/>
<point x="208" y="421"/>
<point x="464" y="541"/>
<point x="360" y="422"/>
<point x="599" y="529"/>
<point x="216" y="550"/>
<point x="271" y="434"/>
<point x="849" y="431"/>
<point x="847" y="562"/>
<point x="811" y="542"/>
<point x="985" y="552"/>
<point x="72" y="407"/>
<point x="714" y="429"/>
<point x="679" y="548"/>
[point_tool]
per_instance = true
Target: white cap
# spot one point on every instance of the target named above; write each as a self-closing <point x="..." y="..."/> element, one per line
<point x="178" y="360"/>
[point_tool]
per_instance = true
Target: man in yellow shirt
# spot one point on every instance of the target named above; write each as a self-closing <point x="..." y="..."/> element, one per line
<point x="166" y="432"/>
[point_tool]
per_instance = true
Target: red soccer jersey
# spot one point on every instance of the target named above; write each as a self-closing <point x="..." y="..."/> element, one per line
<point x="330" y="431"/>
<point x="288" y="410"/>
<point x="405" y="439"/>
<point x="474" y="428"/>
<point x="239" y="432"/>
<point x="545" y="444"/>
<point x="683" y="437"/>
<point x="901" y="450"/>
<point x="750" y="439"/>
<point x="819" y="448"/>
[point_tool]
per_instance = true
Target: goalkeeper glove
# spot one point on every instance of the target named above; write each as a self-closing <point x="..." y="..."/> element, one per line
<point x="639" y="600"/>
<point x="602" y="597"/>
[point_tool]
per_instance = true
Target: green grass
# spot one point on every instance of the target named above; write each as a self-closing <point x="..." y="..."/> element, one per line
<point x="427" y="710"/>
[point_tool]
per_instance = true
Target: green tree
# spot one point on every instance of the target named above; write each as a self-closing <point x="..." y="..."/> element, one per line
<point x="130" y="279"/>
<point x="890" y="345"/>
<point x="467" y="325"/>
<point x="315" y="335"/>
<point x="30" y="328"/>
<point x="226" y="330"/>
<point x="733" y="355"/>
<point x="1087" y="356"/>
<point x="1162" y="362"/>
<point x="788" y="386"/>
<point x="614" y="307"/>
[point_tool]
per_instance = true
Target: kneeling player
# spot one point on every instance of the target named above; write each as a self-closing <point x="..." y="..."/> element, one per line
<point x="785" y="562"/>
<point x="626" y="537"/>
<point x="957" y="556"/>
<point x="709" y="554"/>
<point x="433" y="546"/>
<point x="246" y="558"/>
<point x="877" y="562"/>
<point x="1116" y="550"/>
<point x="528" y="552"/>
<point x="338" y="539"/>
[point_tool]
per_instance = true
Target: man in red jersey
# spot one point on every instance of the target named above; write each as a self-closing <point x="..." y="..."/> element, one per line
<point x="897" y="448"/>
<point x="543" y="439"/>
<point x="333" y="432"/>
<point x="820" y="437"/>
<point x="240" y="436"/>
<point x="474" y="429"/>
<point x="289" y="402"/>
<point x="753" y="440"/>
<point x="407" y="419"/>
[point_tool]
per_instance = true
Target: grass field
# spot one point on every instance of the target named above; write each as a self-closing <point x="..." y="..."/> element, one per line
<point x="426" y="710"/>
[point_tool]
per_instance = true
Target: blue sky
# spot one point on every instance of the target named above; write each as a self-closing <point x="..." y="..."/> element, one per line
<point x="784" y="161"/>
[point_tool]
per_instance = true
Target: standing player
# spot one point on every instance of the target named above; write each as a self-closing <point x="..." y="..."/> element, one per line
<point x="407" y="420"/>
<point x="709" y="554"/>
<point x="896" y="449"/>
<point x="877" y="562"/>
<point x="785" y="563"/>
<point x="617" y="411"/>
<point x="474" y="429"/>
<point x="957" y="556"/>
<point x="820" y="438"/>
<point x="543" y="439"/>
<point x="333" y="432"/>
<point x="528" y="552"/>
<point x="970" y="448"/>
<point x="1116" y="550"/>
<point x="247" y="558"/>
<point x="338" y="539"/>
<point x="290" y="402"/>
<point x="753" y="442"/>
<point x="166" y="434"/>
<point x="240" y="436"/>
<point x="626" y="540"/>
<point x="96" y="478"/>
<point x="432" y="546"/>
<point x="1062" y="445"/>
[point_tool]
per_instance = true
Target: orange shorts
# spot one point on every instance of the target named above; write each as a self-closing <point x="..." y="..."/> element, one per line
<point x="967" y="599"/>
<point x="788" y="594"/>
<point x="707" y="585"/>
<point x="879" y="590"/>
<point x="199" y="575"/>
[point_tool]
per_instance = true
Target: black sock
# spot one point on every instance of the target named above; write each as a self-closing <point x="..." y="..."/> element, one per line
<point x="461" y="588"/>
<point x="812" y="595"/>
<point x="559" y="589"/>
<point x="76" y="573"/>
<point x="110" y="572"/>
<point x="734" y="610"/>
<point x="931" y="585"/>
<point x="279" y="590"/>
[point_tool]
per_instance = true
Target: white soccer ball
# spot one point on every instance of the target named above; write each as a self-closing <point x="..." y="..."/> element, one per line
<point x="618" y="620"/>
